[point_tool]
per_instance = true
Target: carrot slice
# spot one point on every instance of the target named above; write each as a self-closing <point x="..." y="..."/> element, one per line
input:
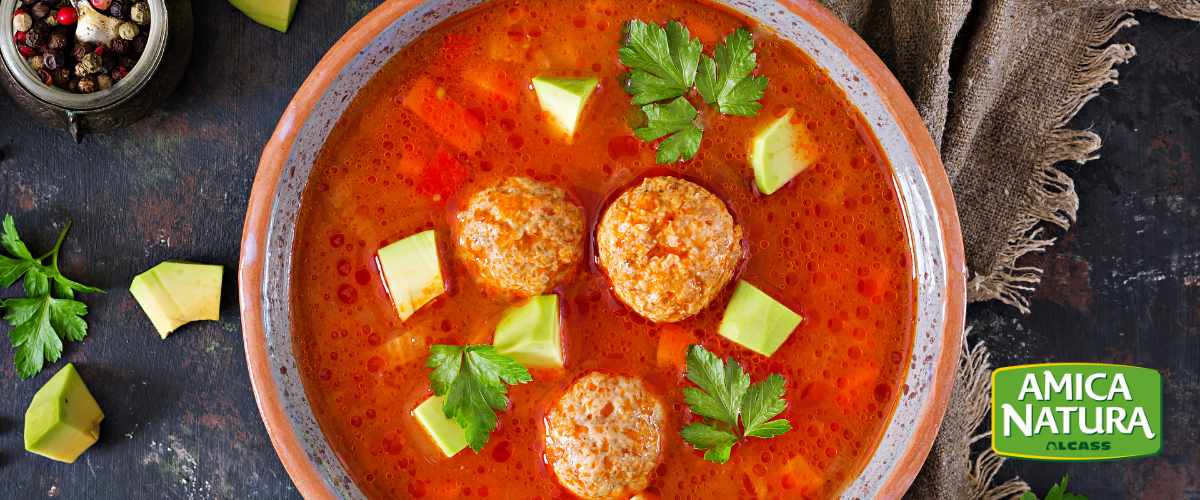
<point x="442" y="177"/>
<point x="447" y="118"/>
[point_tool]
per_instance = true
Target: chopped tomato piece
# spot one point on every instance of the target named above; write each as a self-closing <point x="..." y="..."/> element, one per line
<point x="495" y="82"/>
<point x="448" y="118"/>
<point x="442" y="177"/>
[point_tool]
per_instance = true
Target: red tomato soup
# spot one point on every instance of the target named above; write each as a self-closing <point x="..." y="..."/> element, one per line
<point x="831" y="245"/>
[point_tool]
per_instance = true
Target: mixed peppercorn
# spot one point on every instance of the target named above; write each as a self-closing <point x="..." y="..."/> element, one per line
<point x="84" y="49"/>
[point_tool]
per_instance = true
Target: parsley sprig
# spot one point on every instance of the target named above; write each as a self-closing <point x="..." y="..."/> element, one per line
<point x="723" y="395"/>
<point x="41" y="321"/>
<point x="1058" y="492"/>
<point x="665" y="63"/>
<point x="474" y="380"/>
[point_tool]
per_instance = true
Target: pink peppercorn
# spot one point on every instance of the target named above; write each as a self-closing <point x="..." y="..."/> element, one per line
<point x="27" y="52"/>
<point x="20" y="38"/>
<point x="67" y="16"/>
<point x="100" y="50"/>
<point x="101" y="4"/>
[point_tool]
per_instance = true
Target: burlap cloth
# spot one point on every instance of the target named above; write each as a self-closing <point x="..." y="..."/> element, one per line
<point x="996" y="82"/>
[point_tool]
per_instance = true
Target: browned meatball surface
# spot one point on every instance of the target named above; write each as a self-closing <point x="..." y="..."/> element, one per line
<point x="603" y="436"/>
<point x="521" y="237"/>
<point x="668" y="247"/>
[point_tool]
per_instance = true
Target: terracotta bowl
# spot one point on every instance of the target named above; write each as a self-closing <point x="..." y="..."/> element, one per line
<point x="265" y="270"/>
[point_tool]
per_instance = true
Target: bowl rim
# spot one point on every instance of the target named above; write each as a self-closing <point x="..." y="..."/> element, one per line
<point x="308" y="478"/>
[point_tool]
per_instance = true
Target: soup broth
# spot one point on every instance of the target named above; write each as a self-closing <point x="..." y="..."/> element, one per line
<point x="831" y="245"/>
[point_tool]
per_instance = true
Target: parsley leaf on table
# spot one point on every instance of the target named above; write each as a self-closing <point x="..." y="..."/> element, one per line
<point x="723" y="394"/>
<point x="474" y="380"/>
<point x="725" y="78"/>
<point x="1057" y="492"/>
<point x="663" y="61"/>
<point x="673" y="118"/>
<point x="40" y="322"/>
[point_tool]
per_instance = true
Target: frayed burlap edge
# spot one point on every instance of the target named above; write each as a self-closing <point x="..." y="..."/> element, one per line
<point x="1052" y="191"/>
<point x="975" y="380"/>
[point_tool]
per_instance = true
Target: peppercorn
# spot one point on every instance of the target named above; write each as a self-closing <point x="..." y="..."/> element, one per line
<point x="118" y="9"/>
<point x="118" y="73"/>
<point x="50" y="21"/>
<point x="140" y="13"/>
<point x="19" y="38"/>
<point x="139" y="44"/>
<point x="91" y="62"/>
<point x="39" y="10"/>
<point x="53" y="59"/>
<point x="101" y="4"/>
<point x="107" y="63"/>
<point x="73" y="85"/>
<point x="22" y="22"/>
<point x="35" y="38"/>
<point x="128" y="30"/>
<point x="35" y="62"/>
<point x="87" y="84"/>
<point x="61" y="76"/>
<point x="104" y="82"/>
<point x="57" y="41"/>
<point x="120" y="46"/>
<point x="67" y="15"/>
<point x="28" y="3"/>
<point x="81" y="71"/>
<point x="127" y="61"/>
<point x="82" y="49"/>
<point x="45" y="77"/>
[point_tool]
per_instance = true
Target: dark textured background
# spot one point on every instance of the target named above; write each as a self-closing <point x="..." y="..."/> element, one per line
<point x="1122" y="287"/>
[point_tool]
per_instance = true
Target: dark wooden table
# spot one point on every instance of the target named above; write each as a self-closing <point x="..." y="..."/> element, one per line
<point x="181" y="422"/>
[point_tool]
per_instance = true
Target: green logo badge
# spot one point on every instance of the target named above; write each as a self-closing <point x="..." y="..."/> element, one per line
<point x="1076" y="412"/>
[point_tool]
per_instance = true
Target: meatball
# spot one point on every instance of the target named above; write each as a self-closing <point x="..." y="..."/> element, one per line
<point x="668" y="247"/>
<point x="603" y="436"/>
<point x="521" y="237"/>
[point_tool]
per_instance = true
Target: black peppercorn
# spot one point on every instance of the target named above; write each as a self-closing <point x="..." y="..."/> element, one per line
<point x="139" y="44"/>
<point x="40" y="24"/>
<point x="81" y="50"/>
<point x="57" y="41"/>
<point x="61" y="76"/>
<point x="120" y="46"/>
<point x="127" y="61"/>
<point x="27" y="3"/>
<point x="87" y="84"/>
<point x="54" y="59"/>
<point x="73" y="86"/>
<point x="118" y="9"/>
<point x="107" y="63"/>
<point x="35" y="37"/>
<point x="39" y="10"/>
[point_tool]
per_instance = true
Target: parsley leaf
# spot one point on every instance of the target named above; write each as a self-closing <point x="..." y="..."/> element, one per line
<point x="1057" y="492"/>
<point x="40" y="322"/>
<point x="474" y="379"/>
<point x="663" y="65"/>
<point x="675" y="119"/>
<point x="663" y="61"/>
<point x="725" y="78"/>
<point x="723" y="394"/>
